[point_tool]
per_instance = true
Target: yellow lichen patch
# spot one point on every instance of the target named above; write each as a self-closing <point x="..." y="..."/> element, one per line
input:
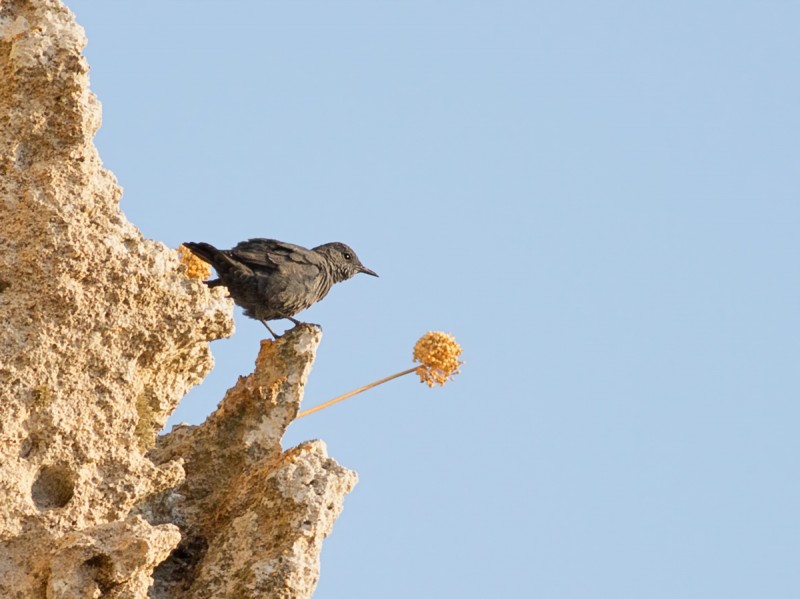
<point x="195" y="267"/>
<point x="438" y="352"/>
<point x="267" y="353"/>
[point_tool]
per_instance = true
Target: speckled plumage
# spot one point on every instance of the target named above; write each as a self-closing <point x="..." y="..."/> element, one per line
<point x="272" y="279"/>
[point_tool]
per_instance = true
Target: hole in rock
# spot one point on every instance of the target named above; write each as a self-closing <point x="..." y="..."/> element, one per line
<point x="31" y="446"/>
<point x="179" y="568"/>
<point x="101" y="569"/>
<point x="53" y="487"/>
<point x="26" y="447"/>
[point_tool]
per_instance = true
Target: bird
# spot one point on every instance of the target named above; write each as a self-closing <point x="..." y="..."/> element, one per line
<point x="273" y="279"/>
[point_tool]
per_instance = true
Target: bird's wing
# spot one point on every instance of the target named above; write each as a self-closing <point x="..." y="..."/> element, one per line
<point x="271" y="254"/>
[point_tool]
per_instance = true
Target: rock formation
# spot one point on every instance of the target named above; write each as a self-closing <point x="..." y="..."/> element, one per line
<point x="103" y="335"/>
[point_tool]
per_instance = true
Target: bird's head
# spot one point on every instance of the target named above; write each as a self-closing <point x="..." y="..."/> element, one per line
<point x="343" y="261"/>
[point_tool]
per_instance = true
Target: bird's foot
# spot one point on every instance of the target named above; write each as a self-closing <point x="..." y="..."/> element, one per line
<point x="297" y="323"/>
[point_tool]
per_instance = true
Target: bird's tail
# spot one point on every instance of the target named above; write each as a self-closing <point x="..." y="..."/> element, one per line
<point x="207" y="253"/>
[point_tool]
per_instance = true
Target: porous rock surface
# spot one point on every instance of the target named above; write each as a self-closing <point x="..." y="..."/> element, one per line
<point x="103" y="334"/>
<point x="253" y="517"/>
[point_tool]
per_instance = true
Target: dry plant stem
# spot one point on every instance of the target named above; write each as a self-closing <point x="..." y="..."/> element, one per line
<point x="356" y="392"/>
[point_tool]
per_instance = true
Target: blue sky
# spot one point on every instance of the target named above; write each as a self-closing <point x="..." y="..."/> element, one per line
<point x="600" y="200"/>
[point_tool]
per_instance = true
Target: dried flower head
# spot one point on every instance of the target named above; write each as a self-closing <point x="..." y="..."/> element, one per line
<point x="438" y="352"/>
<point x="195" y="267"/>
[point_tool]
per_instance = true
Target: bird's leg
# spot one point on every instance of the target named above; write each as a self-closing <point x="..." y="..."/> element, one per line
<point x="264" y="322"/>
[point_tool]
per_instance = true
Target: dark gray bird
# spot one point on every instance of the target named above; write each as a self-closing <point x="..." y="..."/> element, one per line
<point x="271" y="279"/>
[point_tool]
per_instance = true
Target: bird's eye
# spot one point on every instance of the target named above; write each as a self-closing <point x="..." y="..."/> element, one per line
<point x="347" y="255"/>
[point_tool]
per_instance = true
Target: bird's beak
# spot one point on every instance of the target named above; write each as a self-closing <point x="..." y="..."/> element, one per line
<point x="367" y="271"/>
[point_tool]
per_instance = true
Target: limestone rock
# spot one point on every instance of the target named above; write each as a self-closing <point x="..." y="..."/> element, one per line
<point x="114" y="559"/>
<point x="252" y="516"/>
<point x="103" y="334"/>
